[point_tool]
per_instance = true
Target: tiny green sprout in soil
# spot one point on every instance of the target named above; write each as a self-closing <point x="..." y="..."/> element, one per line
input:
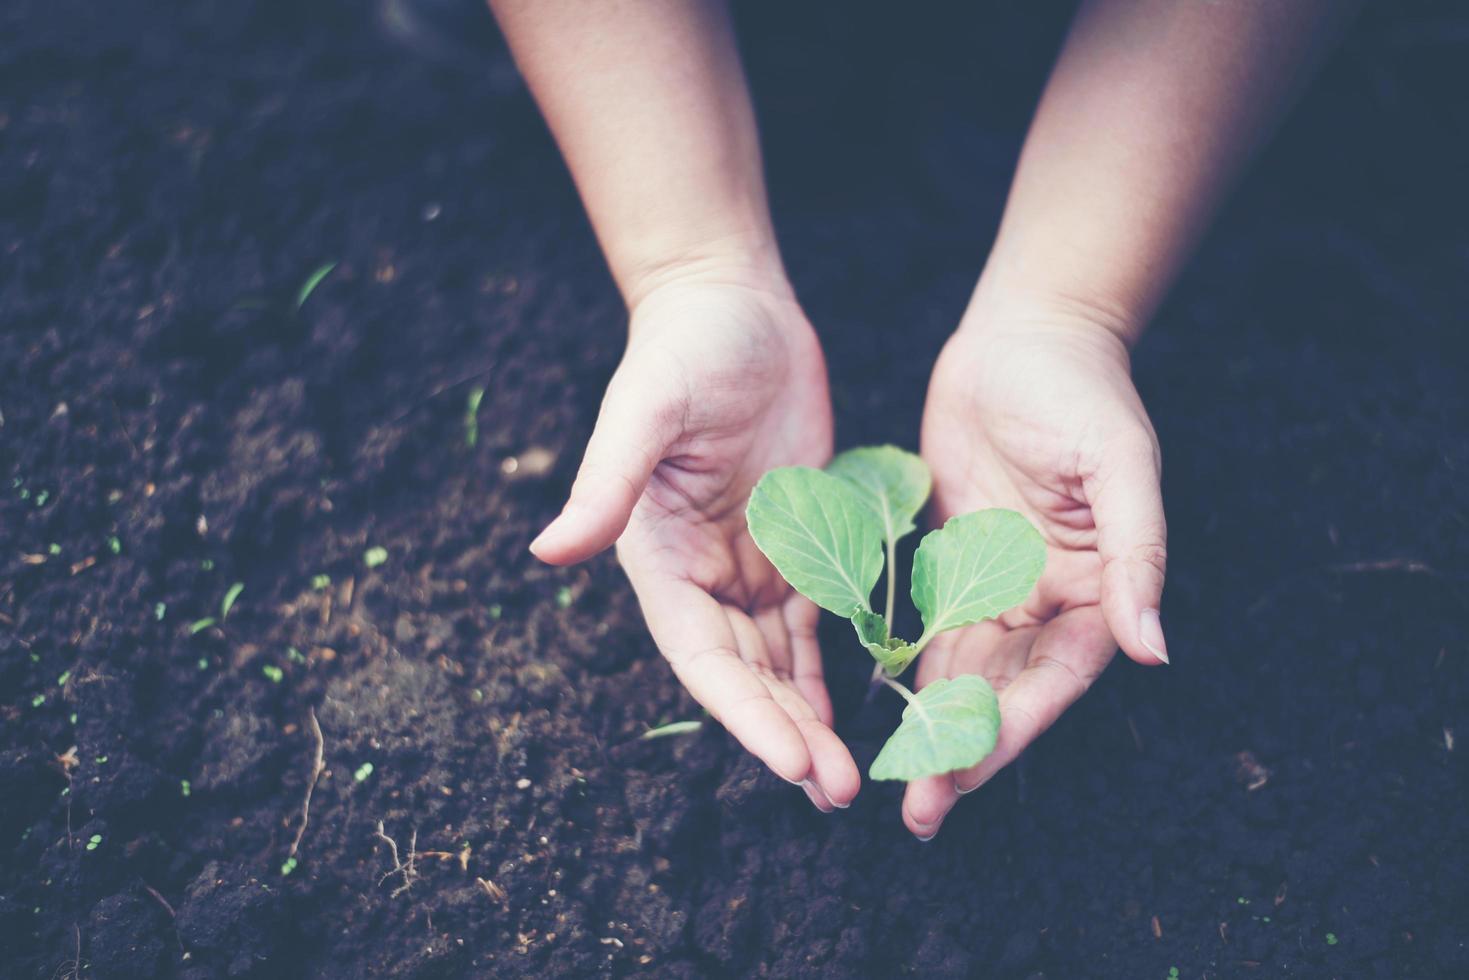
<point x="114" y="545"/>
<point x="228" y="602"/>
<point x="41" y="498"/>
<point x="375" y="556"/>
<point x="101" y="760"/>
<point x="672" y="728"/>
<point x="295" y="656"/>
<point x="471" y="416"/>
<point x="288" y="865"/>
<point x="320" y="582"/>
<point x="200" y="625"/>
<point x="274" y="673"/>
<point x="186" y="788"/>
<point x="207" y="564"/>
<point x="203" y="663"/>
<point x="53" y="548"/>
<point x="1173" y="973"/>
<point x="160" y="609"/>
<point x="312" y="281"/>
<point x="564" y="597"/>
<point x="38" y="700"/>
<point x="1331" y="939"/>
<point x="65" y="676"/>
<point x="94" y="842"/>
<point x="496" y="610"/>
<point x="361" y="773"/>
<point x="830" y="532"/>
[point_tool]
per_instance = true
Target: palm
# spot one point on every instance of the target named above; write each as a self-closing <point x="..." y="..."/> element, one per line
<point x="719" y="385"/>
<point x="1029" y="421"/>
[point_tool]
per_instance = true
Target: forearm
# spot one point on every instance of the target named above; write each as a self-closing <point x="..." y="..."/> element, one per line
<point x="1151" y="112"/>
<point x="648" y="102"/>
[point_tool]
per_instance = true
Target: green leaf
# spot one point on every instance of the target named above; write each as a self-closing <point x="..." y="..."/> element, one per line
<point x="672" y="728"/>
<point x="820" y="534"/>
<point x="312" y="281"/>
<point x="975" y="567"/>
<point x="896" y="484"/>
<point x="229" y="599"/>
<point x="950" y="724"/>
<point x="893" y="653"/>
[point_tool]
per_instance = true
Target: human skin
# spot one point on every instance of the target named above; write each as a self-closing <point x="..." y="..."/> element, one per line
<point x="723" y="377"/>
<point x="1153" y="108"/>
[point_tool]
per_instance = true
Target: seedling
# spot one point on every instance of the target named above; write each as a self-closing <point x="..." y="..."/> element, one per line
<point x="94" y="842"/>
<point x="228" y="602"/>
<point x="273" y="673"/>
<point x="312" y="281"/>
<point x="672" y="728"/>
<point x="321" y="582"/>
<point x="471" y="416"/>
<point x="825" y="532"/>
<point x="375" y="556"/>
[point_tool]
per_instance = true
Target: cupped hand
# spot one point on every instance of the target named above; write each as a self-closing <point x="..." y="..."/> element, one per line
<point x="1035" y="410"/>
<point x="721" y="382"/>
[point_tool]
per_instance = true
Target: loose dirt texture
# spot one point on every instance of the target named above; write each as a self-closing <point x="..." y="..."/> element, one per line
<point x="1286" y="800"/>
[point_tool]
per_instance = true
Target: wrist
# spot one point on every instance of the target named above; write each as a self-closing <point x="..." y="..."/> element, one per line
<point x="1011" y="304"/>
<point x="746" y="260"/>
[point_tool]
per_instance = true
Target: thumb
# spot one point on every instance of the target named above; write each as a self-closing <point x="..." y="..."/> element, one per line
<point x="1132" y="540"/>
<point x="633" y="432"/>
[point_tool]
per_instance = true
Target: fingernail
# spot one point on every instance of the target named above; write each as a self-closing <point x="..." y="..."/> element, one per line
<point x="817" y="796"/>
<point x="964" y="792"/>
<point x="1150" y="632"/>
<point x="928" y="831"/>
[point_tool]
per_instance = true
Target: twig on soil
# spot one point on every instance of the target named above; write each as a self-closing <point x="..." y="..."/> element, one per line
<point x="1137" y="739"/>
<point x="160" y="900"/>
<point x="122" y="427"/>
<point x="71" y="968"/>
<point x="436" y="392"/>
<point x="1410" y="565"/>
<point x="407" y="870"/>
<point x="157" y="897"/>
<point x="318" y="763"/>
<point x="495" y="892"/>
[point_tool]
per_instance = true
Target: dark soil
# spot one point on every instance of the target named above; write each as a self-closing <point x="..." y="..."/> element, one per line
<point x="1285" y="801"/>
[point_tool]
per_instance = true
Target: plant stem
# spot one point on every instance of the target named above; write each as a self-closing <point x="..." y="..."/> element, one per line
<point x="877" y="675"/>
<point x="892" y="577"/>
<point x="908" y="695"/>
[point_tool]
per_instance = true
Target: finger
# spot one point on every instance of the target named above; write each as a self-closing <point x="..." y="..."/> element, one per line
<point x="1067" y="655"/>
<point x="1132" y="540"/>
<point x="633" y="432"/>
<point x="696" y="636"/>
<point x="987" y="649"/>
<point x="833" y="781"/>
<point x="801" y="616"/>
<point x="772" y="625"/>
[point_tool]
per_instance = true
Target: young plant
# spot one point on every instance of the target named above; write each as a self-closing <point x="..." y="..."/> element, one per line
<point x="826" y="532"/>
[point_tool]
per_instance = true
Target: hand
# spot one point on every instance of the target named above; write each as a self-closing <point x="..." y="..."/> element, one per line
<point x="1036" y="411"/>
<point x="721" y="382"/>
